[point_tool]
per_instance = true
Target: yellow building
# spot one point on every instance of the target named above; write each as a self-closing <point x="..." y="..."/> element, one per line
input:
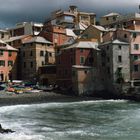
<point x="109" y="19"/>
<point x="94" y="32"/>
<point x="35" y="53"/>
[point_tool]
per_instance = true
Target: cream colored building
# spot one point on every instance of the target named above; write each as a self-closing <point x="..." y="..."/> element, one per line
<point x="94" y="32"/>
<point x="109" y="19"/>
<point x="35" y="53"/>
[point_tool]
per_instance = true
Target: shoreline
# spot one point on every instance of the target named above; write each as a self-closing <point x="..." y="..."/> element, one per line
<point x="42" y="97"/>
<point x="48" y="97"/>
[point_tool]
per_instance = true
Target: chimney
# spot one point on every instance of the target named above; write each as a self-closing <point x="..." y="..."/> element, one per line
<point x="72" y="8"/>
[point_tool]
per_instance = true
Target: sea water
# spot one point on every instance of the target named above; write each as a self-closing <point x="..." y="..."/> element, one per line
<point x="84" y="120"/>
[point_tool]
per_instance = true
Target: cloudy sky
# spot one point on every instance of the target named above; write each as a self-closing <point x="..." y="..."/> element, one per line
<point x="14" y="11"/>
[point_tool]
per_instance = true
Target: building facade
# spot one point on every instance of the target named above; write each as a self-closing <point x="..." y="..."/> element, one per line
<point x="35" y="53"/>
<point x="80" y="56"/>
<point x="115" y="64"/>
<point x="8" y="62"/>
<point x="25" y="28"/>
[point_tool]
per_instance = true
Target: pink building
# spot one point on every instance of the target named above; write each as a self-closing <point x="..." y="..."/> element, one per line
<point x="8" y="56"/>
<point x="81" y="55"/>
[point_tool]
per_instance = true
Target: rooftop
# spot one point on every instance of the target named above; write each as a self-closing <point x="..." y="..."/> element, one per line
<point x="83" y="44"/>
<point x="69" y="32"/>
<point x="80" y="26"/>
<point x="116" y="41"/>
<point x="111" y="14"/>
<point x="6" y="46"/>
<point x="16" y="38"/>
<point x="99" y="28"/>
<point x="37" y="39"/>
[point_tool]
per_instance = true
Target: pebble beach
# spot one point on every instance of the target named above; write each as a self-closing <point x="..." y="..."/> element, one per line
<point x="41" y="97"/>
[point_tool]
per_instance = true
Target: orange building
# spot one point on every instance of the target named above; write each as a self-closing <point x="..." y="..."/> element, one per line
<point x="8" y="56"/>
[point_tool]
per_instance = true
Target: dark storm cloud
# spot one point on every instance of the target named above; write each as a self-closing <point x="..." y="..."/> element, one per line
<point x="13" y="11"/>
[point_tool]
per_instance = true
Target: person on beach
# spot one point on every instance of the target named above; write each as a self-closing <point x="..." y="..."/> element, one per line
<point x="5" y="130"/>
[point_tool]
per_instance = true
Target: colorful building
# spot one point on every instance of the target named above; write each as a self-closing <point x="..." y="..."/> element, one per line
<point x="8" y="62"/>
<point x="25" y="28"/>
<point x="70" y="18"/>
<point x="94" y="32"/>
<point x="109" y="19"/>
<point x="35" y="53"/>
<point x="82" y="55"/>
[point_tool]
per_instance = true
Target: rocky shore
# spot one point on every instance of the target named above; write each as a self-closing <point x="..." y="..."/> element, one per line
<point x="41" y="97"/>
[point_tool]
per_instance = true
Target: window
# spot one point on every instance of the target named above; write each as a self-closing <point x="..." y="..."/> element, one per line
<point x="107" y="47"/>
<point x="119" y="69"/>
<point x="136" y="68"/>
<point x="108" y="59"/>
<point x="9" y="53"/>
<point x="103" y="64"/>
<point x="10" y="63"/>
<point x="41" y="53"/>
<point x="135" y="57"/>
<point x="43" y="63"/>
<point x="24" y="64"/>
<point x="108" y="70"/>
<point x="119" y="58"/>
<point x="23" y="54"/>
<point x="90" y="60"/>
<point x="1" y="52"/>
<point x="124" y="23"/>
<point x="71" y="60"/>
<point x="107" y="18"/>
<point x="31" y="53"/>
<point x="81" y="50"/>
<point x="2" y="63"/>
<point x="114" y="18"/>
<point x="136" y="46"/>
<point x="31" y="64"/>
<point x="59" y="72"/>
<point x="85" y="71"/>
<point x="120" y="47"/>
<point x="50" y="54"/>
<point x="82" y="59"/>
<point x="125" y="35"/>
<point x="2" y="35"/>
<point x="65" y="72"/>
<point x="73" y="73"/>
<point x="134" y="35"/>
<point x="59" y="60"/>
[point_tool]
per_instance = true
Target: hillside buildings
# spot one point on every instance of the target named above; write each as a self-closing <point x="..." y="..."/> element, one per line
<point x="70" y="50"/>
